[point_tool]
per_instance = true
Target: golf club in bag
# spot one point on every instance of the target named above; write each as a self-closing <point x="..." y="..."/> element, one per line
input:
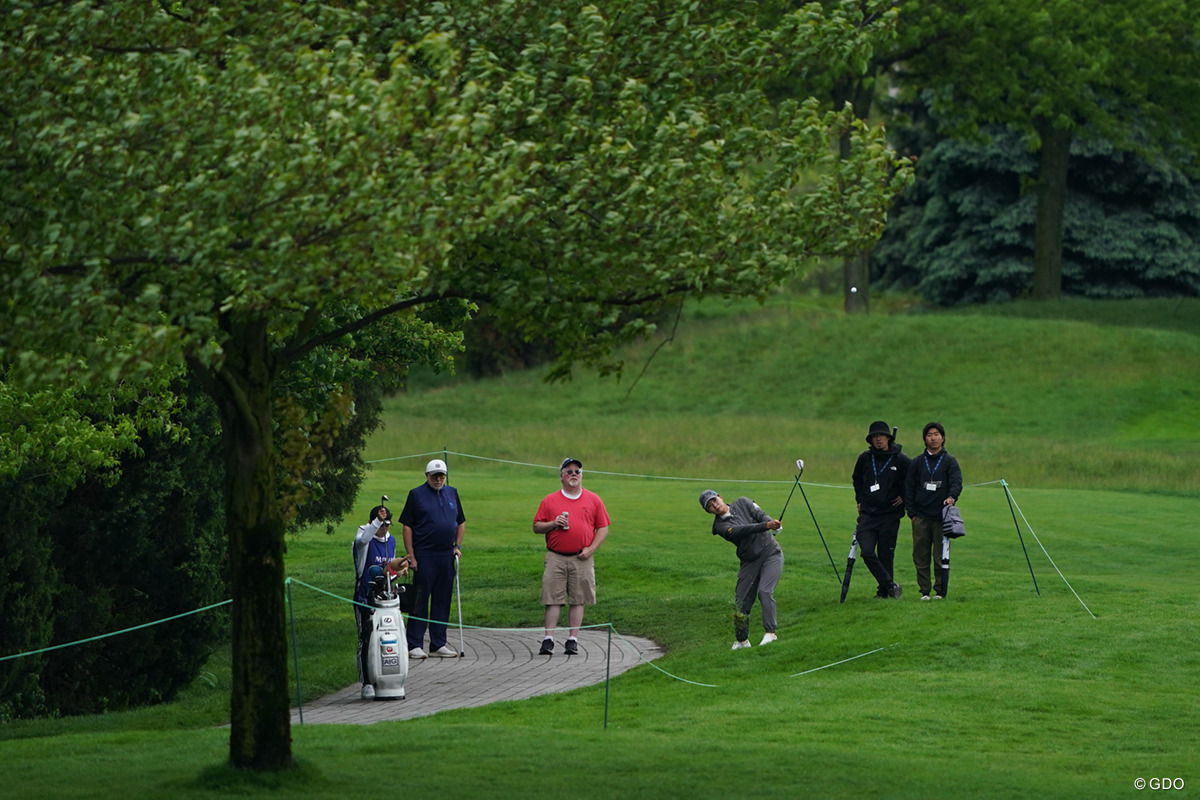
<point x="849" y="567"/>
<point x="458" y="590"/>
<point x="387" y="661"/>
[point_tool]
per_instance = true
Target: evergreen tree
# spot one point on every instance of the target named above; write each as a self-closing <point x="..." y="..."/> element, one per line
<point x="964" y="233"/>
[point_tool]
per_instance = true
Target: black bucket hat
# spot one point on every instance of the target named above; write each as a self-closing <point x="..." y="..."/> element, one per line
<point x="878" y="427"/>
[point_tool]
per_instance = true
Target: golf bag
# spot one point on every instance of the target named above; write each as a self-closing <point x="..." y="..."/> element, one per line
<point x="387" y="652"/>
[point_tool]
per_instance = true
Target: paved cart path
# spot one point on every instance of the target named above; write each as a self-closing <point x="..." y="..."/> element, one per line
<point x="499" y="665"/>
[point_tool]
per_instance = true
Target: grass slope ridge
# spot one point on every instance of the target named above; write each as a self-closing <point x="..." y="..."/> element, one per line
<point x="1045" y="402"/>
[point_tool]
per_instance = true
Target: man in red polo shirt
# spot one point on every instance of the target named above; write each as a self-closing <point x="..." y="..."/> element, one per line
<point x="575" y="524"/>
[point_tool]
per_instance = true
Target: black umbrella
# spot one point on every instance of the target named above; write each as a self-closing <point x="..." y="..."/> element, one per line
<point x="849" y="566"/>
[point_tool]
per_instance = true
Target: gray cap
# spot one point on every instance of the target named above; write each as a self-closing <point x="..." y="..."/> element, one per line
<point x="706" y="496"/>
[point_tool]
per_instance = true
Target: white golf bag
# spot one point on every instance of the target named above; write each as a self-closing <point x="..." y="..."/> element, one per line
<point x="387" y="651"/>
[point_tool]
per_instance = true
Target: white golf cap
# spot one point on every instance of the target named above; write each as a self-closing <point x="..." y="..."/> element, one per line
<point x="436" y="466"/>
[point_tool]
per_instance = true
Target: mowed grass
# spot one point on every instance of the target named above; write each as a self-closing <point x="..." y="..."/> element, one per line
<point x="999" y="691"/>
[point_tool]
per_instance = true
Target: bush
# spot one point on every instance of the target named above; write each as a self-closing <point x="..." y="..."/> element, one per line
<point x="149" y="547"/>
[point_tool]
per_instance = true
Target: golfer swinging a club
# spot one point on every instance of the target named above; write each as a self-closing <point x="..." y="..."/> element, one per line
<point x="746" y="525"/>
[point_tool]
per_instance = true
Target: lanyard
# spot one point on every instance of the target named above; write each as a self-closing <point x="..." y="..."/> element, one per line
<point x="933" y="471"/>
<point x="885" y="466"/>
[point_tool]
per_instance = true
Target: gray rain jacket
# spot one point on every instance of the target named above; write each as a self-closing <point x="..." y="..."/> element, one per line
<point x="746" y="526"/>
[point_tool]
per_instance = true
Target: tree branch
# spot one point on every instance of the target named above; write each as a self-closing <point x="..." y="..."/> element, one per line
<point x="670" y="338"/>
<point x="297" y="349"/>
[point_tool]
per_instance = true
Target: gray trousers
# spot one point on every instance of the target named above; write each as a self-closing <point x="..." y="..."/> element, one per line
<point x="757" y="578"/>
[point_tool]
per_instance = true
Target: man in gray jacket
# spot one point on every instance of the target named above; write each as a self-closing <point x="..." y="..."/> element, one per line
<point x="746" y="525"/>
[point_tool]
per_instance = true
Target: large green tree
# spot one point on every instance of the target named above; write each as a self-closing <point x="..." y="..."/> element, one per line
<point x="210" y="186"/>
<point x="1127" y="71"/>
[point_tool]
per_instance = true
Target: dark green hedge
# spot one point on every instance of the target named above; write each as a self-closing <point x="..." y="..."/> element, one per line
<point x="105" y="558"/>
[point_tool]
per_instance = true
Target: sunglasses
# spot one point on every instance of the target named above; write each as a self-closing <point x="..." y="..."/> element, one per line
<point x="573" y="471"/>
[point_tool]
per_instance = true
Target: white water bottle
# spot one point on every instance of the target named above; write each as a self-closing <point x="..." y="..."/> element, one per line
<point x="567" y="519"/>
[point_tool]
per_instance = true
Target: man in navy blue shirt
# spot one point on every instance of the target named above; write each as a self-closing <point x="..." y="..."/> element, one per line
<point x="433" y="531"/>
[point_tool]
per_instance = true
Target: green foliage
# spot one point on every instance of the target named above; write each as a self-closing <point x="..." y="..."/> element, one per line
<point x="119" y="556"/>
<point x="54" y="440"/>
<point x="963" y="234"/>
<point x="333" y="484"/>
<point x="59" y="435"/>
<point x="1126" y="69"/>
<point x="570" y="147"/>
<point x="27" y="592"/>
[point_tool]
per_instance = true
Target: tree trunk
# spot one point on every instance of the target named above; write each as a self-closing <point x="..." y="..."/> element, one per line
<point x="1052" y="199"/>
<point x="858" y="90"/>
<point x="260" y="716"/>
<point x="856" y="271"/>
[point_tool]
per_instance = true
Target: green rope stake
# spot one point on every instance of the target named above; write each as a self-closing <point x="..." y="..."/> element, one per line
<point x="295" y="651"/>
<point x="607" y="670"/>
<point x="1008" y="497"/>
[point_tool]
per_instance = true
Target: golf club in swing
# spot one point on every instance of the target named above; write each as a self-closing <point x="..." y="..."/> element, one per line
<point x="800" y="466"/>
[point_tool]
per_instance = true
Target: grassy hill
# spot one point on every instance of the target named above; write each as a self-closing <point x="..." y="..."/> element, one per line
<point x="1049" y="399"/>
<point x="1074" y="689"/>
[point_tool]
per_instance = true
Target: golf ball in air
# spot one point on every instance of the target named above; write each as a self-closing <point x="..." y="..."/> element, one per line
<point x="853" y="290"/>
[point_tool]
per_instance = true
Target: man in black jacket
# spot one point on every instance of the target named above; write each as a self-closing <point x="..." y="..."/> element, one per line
<point x="934" y="480"/>
<point x="746" y="525"/>
<point x="878" y="479"/>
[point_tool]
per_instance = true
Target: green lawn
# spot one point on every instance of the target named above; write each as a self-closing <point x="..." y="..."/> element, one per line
<point x="999" y="691"/>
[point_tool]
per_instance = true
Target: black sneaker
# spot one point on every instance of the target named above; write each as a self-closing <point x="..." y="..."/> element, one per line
<point x="571" y="647"/>
<point x="896" y="591"/>
<point x="547" y="647"/>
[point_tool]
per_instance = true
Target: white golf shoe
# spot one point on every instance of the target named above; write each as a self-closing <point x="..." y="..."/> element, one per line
<point x="740" y="645"/>
<point x="368" y="692"/>
<point x="417" y="652"/>
<point x="767" y="639"/>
